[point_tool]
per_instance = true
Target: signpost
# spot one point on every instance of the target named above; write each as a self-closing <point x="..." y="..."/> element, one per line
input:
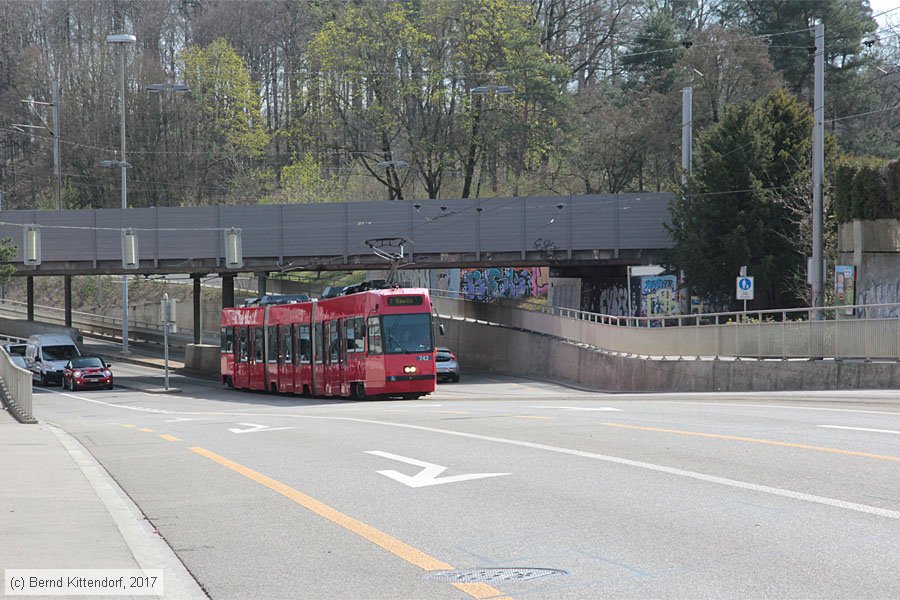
<point x="744" y="288"/>
<point x="167" y="316"/>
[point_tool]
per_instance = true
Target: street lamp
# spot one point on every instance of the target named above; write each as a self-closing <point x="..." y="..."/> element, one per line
<point x="502" y="90"/>
<point x="162" y="87"/>
<point x="122" y="40"/>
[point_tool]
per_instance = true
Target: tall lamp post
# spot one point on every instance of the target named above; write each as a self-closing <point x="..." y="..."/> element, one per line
<point x="122" y="40"/>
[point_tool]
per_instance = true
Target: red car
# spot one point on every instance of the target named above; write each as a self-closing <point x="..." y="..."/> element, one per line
<point x="87" y="372"/>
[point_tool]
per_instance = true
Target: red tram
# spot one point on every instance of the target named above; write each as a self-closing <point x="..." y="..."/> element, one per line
<point x="369" y="344"/>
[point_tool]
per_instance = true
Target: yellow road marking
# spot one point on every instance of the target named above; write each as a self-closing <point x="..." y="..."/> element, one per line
<point x="759" y="441"/>
<point x="170" y="438"/>
<point x="129" y="426"/>
<point x="531" y="417"/>
<point x="146" y="430"/>
<point x="451" y="412"/>
<point x="379" y="538"/>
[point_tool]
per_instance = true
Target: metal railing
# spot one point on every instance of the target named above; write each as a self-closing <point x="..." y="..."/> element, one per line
<point x="871" y="332"/>
<point x="18" y="387"/>
<point x="105" y="325"/>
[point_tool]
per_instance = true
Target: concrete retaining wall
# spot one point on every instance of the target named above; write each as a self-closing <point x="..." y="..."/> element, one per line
<point x="23" y="329"/>
<point x="202" y="357"/>
<point x="500" y="349"/>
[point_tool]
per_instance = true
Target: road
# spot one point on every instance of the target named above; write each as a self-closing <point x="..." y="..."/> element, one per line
<point x="782" y="495"/>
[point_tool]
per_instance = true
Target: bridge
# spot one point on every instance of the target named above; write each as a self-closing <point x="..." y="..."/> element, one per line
<point x="611" y="229"/>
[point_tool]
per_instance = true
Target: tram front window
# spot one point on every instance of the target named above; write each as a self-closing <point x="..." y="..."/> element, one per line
<point x="405" y="334"/>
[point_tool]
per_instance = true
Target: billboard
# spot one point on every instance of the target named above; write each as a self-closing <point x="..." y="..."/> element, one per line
<point x="845" y="287"/>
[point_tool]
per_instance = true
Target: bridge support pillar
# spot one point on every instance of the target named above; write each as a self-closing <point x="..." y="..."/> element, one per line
<point x="261" y="283"/>
<point x="29" y="292"/>
<point x="198" y="323"/>
<point x="67" y="291"/>
<point x="227" y="291"/>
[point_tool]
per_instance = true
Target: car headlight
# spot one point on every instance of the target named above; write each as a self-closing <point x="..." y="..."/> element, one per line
<point x="77" y="374"/>
<point x="107" y="373"/>
<point x="410" y="369"/>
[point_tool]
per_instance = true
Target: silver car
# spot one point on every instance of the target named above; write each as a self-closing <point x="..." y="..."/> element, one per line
<point x="446" y="364"/>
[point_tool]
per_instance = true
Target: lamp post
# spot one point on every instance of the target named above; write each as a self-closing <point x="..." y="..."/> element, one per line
<point x="122" y="40"/>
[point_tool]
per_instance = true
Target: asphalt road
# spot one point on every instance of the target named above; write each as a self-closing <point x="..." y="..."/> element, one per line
<point x="782" y="495"/>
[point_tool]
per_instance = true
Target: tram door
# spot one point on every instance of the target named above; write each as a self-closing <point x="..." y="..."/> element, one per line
<point x="241" y="374"/>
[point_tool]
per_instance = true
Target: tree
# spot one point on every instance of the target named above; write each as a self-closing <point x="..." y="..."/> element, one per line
<point x="749" y="203"/>
<point x="226" y="130"/>
<point x="7" y="255"/>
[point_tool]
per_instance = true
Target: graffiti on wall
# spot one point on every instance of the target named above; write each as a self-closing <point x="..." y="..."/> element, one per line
<point x="613" y="301"/>
<point x="495" y="282"/>
<point x="880" y="292"/>
<point x="659" y="295"/>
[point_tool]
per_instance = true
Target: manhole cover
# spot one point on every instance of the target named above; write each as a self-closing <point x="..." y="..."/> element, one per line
<point x="495" y="574"/>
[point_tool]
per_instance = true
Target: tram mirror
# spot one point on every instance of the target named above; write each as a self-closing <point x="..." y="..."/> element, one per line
<point x="441" y="328"/>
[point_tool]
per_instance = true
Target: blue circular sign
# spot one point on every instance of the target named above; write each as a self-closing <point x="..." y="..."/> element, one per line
<point x="744" y="283"/>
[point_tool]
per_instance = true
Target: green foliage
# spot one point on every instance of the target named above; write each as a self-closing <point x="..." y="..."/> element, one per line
<point x="867" y="188"/>
<point x="302" y="181"/>
<point x="7" y="254"/>
<point x="748" y="203"/>
<point x="650" y="60"/>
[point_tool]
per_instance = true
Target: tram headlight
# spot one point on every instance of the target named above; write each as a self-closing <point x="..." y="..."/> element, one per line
<point x="410" y="369"/>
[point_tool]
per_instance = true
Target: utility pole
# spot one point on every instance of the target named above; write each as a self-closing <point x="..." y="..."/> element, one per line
<point x="57" y="175"/>
<point x="54" y="131"/>
<point x="818" y="170"/>
<point x="687" y="125"/>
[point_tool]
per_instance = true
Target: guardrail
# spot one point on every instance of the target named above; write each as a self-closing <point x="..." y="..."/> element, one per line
<point x="15" y="387"/>
<point x="871" y="332"/>
<point x="106" y="325"/>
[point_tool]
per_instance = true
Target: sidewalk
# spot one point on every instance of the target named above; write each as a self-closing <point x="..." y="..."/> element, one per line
<point x="59" y="509"/>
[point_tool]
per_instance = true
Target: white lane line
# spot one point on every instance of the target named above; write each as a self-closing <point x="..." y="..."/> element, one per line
<point x="138" y="408"/>
<point x="860" y="429"/>
<point x="253" y="428"/>
<point x="598" y="409"/>
<point x="781" y="406"/>
<point x="833" y="502"/>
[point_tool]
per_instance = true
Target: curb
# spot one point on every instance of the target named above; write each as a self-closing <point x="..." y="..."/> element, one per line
<point x="171" y="390"/>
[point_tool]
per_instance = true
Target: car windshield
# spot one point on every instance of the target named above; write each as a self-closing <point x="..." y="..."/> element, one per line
<point x="59" y="352"/>
<point x="19" y="361"/>
<point x="86" y="362"/>
<point x="16" y="349"/>
<point x="405" y="334"/>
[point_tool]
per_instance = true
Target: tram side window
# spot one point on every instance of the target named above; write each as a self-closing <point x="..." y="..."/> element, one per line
<point x="334" y="343"/>
<point x="355" y="334"/>
<point x="272" y="345"/>
<point x="305" y="345"/>
<point x="374" y="336"/>
<point x="320" y="343"/>
<point x="295" y="354"/>
<point x="284" y="344"/>
<point x="243" y="350"/>
<point x="227" y="339"/>
<point x="258" y="344"/>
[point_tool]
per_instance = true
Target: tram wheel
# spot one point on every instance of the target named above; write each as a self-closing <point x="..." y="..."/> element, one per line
<point x="359" y="391"/>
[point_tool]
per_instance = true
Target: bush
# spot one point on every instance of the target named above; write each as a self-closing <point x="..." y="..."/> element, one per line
<point x="867" y="188"/>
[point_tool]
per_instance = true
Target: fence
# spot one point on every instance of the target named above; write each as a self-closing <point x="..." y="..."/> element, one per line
<point x="767" y="334"/>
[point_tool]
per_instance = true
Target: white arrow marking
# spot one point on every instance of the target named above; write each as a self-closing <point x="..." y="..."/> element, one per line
<point x="861" y="429"/>
<point x="429" y="473"/>
<point x="602" y="408"/>
<point x="253" y="428"/>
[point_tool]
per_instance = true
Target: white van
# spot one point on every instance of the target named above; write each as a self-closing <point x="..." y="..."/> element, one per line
<point x="46" y="355"/>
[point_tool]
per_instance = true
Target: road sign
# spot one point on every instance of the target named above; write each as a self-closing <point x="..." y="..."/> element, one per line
<point x="745" y="288"/>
